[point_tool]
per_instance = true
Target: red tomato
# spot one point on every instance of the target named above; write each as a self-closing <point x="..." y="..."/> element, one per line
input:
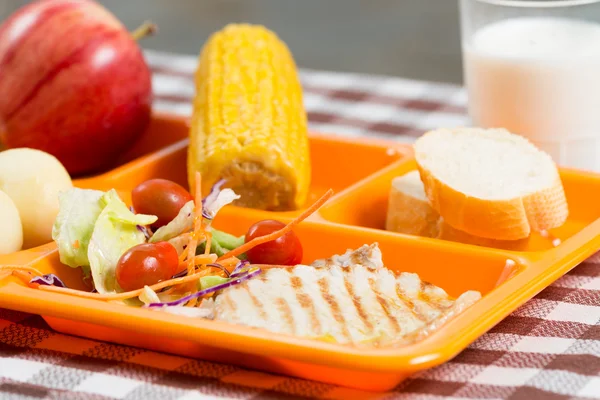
<point x="159" y="197"/>
<point x="287" y="250"/>
<point x="146" y="264"/>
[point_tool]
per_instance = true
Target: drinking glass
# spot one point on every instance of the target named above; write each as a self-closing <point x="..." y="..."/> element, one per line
<point x="533" y="67"/>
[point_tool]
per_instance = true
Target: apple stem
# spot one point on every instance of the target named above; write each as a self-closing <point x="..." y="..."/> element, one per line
<point x="146" y="29"/>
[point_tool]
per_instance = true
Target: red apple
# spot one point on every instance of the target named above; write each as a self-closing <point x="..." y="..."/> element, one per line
<point x="73" y="83"/>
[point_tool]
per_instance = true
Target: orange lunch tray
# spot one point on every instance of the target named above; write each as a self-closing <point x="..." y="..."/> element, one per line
<point x="360" y="172"/>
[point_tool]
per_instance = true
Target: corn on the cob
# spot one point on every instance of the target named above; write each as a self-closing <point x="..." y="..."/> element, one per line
<point x="249" y="124"/>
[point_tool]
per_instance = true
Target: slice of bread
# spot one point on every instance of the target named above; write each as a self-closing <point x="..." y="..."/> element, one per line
<point x="410" y="212"/>
<point x="490" y="183"/>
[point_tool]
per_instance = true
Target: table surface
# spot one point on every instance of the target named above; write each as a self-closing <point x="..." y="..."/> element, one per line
<point x="547" y="349"/>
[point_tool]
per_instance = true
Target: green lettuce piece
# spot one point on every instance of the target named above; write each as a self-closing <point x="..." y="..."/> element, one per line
<point x="226" y="240"/>
<point x="221" y="243"/>
<point x="209" y="281"/>
<point x="72" y="230"/>
<point x="114" y="233"/>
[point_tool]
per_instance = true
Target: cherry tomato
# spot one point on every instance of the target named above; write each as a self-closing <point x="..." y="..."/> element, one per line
<point x="146" y="264"/>
<point x="159" y="197"/>
<point x="287" y="250"/>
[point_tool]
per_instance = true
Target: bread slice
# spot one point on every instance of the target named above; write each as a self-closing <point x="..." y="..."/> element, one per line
<point x="410" y="212"/>
<point x="490" y="182"/>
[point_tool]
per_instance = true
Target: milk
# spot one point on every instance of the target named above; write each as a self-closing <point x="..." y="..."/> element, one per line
<point x="539" y="77"/>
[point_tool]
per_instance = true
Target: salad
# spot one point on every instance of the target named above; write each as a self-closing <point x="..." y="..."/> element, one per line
<point x="162" y="252"/>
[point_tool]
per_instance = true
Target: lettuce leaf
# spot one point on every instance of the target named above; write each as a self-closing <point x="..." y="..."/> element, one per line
<point x="214" y="203"/>
<point x="115" y="232"/>
<point x="72" y="230"/>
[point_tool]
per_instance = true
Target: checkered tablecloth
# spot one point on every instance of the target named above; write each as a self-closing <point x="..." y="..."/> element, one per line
<point x="548" y="349"/>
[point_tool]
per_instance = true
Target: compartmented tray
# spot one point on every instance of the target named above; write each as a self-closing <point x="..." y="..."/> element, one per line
<point x="360" y="172"/>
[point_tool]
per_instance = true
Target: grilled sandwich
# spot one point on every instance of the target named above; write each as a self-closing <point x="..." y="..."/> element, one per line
<point x="350" y="299"/>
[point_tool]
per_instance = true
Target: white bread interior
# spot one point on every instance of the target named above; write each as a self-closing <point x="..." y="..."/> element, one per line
<point x="410" y="212"/>
<point x="490" y="183"/>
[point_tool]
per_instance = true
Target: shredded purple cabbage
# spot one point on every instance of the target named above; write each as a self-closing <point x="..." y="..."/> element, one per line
<point x="48" y="280"/>
<point x="180" y="274"/>
<point x="240" y="265"/>
<point x="240" y="274"/>
<point x="144" y="230"/>
<point x="204" y="292"/>
<point x="217" y="265"/>
<point x="212" y="196"/>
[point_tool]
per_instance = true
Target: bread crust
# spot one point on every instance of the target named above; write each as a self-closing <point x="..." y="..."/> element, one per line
<point x="447" y="232"/>
<point x="415" y="216"/>
<point x="511" y="219"/>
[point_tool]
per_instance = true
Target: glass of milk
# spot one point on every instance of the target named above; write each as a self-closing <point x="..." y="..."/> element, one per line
<point x="533" y="67"/>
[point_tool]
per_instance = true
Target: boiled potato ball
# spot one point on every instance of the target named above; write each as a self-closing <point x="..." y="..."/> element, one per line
<point x="11" y="232"/>
<point x="33" y="179"/>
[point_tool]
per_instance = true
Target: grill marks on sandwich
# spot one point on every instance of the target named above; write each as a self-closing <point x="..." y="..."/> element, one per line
<point x="286" y="313"/>
<point x="259" y="306"/>
<point x="357" y="304"/>
<point x="333" y="306"/>
<point x="430" y="294"/>
<point x="306" y="303"/>
<point x="231" y="304"/>
<point x="352" y="304"/>
<point x="385" y="306"/>
<point x="410" y="304"/>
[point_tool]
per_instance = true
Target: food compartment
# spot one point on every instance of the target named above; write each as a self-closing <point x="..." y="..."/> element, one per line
<point x="366" y="206"/>
<point x="454" y="269"/>
<point x="336" y="162"/>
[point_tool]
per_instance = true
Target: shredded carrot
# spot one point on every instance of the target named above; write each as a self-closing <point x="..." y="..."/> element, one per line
<point x="184" y="252"/>
<point x="205" y="259"/>
<point x="192" y="302"/>
<point x="182" y="257"/>
<point x="26" y="277"/>
<point x="230" y="263"/>
<point x="191" y="250"/>
<point x="184" y="235"/>
<point x="21" y="268"/>
<point x="76" y="244"/>
<point x="198" y="260"/>
<point x="208" y="243"/>
<point x="124" y="295"/>
<point x="169" y="290"/>
<point x="277" y="234"/>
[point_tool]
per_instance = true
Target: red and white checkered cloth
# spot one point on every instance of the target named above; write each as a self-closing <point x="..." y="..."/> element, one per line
<point x="548" y="349"/>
